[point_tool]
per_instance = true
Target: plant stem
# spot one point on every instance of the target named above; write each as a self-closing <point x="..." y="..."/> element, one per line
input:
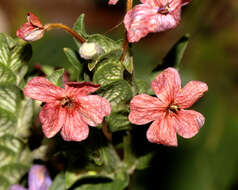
<point x="125" y="45"/>
<point x="66" y="28"/>
<point x="105" y="131"/>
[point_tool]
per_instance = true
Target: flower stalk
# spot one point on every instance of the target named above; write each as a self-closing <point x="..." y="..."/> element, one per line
<point x="66" y="28"/>
<point x="125" y="45"/>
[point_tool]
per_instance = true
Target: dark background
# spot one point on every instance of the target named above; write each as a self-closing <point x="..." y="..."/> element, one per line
<point x="209" y="161"/>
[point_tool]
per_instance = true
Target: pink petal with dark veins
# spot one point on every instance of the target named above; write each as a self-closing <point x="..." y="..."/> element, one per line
<point x="188" y="123"/>
<point x="93" y="109"/>
<point x="166" y="85"/>
<point x="139" y="21"/>
<point x="161" y="131"/>
<point x="80" y="88"/>
<point x="190" y="93"/>
<point x="34" y="20"/>
<point x="144" y="109"/>
<point x="40" y="88"/>
<point x="75" y="129"/>
<point x="52" y="117"/>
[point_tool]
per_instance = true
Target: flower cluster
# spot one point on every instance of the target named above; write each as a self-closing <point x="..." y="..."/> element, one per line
<point x="71" y="110"/>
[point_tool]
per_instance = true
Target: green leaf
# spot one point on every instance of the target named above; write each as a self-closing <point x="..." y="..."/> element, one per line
<point x="24" y="118"/>
<point x="128" y="63"/>
<point x="56" y="77"/>
<point x="106" y="162"/>
<point x="79" y="26"/>
<point x="73" y="59"/>
<point x="118" y="121"/>
<point x="13" y="58"/>
<point x="9" y="99"/>
<point x="120" y="182"/>
<point x="14" y="159"/>
<point x="108" y="71"/>
<point x="58" y="183"/>
<point x="175" y="55"/>
<point x="117" y="93"/>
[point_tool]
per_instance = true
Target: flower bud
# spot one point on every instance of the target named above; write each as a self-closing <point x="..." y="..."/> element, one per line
<point x="32" y="30"/>
<point x="90" y="50"/>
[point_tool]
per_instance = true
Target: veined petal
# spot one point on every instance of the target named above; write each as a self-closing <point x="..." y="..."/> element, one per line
<point x="162" y="132"/>
<point x="166" y="85"/>
<point x="52" y="117"/>
<point x="139" y="21"/>
<point x="39" y="88"/>
<point x="16" y="187"/>
<point x="24" y="30"/>
<point x="188" y="123"/>
<point x="34" y="20"/>
<point x="80" y="88"/>
<point x="93" y="109"/>
<point x="144" y="109"/>
<point x="38" y="178"/>
<point x="166" y="22"/>
<point x="154" y="3"/>
<point x="75" y="129"/>
<point x="190" y="93"/>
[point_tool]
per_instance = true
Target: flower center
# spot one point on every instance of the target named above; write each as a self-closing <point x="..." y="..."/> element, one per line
<point x="164" y="10"/>
<point x="173" y="108"/>
<point x="67" y="102"/>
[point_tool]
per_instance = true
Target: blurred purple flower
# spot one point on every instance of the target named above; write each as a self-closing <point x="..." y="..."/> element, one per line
<point x="38" y="179"/>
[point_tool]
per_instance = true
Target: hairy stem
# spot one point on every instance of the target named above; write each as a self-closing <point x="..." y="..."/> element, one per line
<point x="66" y="28"/>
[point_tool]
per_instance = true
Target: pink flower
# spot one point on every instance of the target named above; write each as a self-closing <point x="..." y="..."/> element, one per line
<point x="112" y="2"/>
<point x="70" y="110"/>
<point x="152" y="16"/>
<point x="32" y="30"/>
<point x="167" y="111"/>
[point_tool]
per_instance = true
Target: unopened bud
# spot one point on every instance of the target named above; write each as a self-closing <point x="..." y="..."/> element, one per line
<point x="90" y="50"/>
<point x="32" y="30"/>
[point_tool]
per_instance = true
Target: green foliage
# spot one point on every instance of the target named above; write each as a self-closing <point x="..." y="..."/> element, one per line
<point x="74" y="61"/>
<point x="111" y="48"/>
<point x="175" y="55"/>
<point x="58" y="183"/>
<point x="56" y="77"/>
<point x="13" y="110"/>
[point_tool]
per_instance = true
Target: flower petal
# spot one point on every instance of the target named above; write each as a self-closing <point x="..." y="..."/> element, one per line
<point x="16" y="187"/>
<point x="80" y="88"/>
<point x="185" y="2"/>
<point x="52" y="117"/>
<point x="162" y="131"/>
<point x="38" y="178"/>
<point x="188" y="123"/>
<point x="112" y="2"/>
<point x="34" y="20"/>
<point x="24" y="30"/>
<point x="75" y="129"/>
<point x="39" y="88"/>
<point x="139" y="21"/>
<point x="166" y="85"/>
<point x="144" y="109"/>
<point x="190" y="93"/>
<point x="154" y="3"/>
<point x="93" y="109"/>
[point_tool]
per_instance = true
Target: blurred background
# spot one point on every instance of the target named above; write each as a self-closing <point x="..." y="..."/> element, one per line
<point x="208" y="161"/>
